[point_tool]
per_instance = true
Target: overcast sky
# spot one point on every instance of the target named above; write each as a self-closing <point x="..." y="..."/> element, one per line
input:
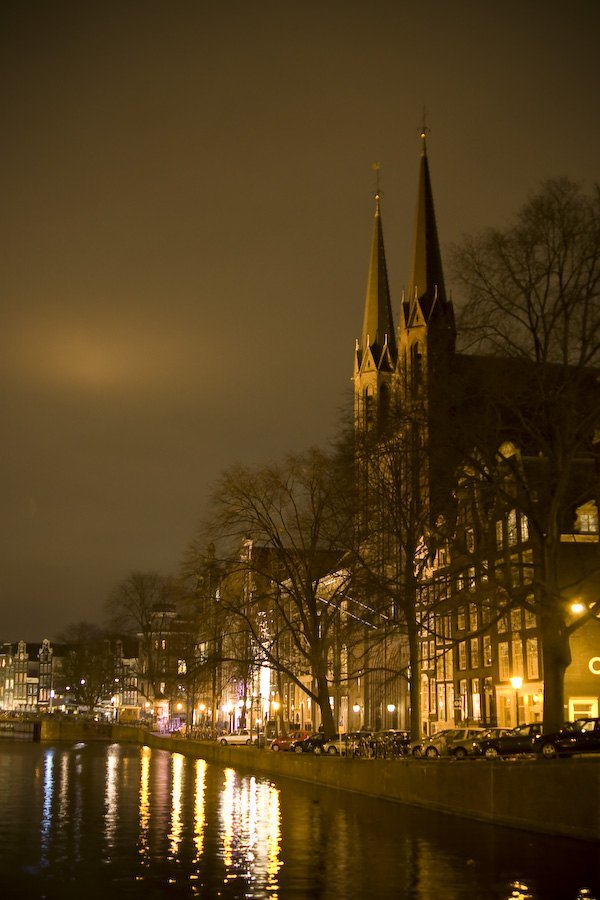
<point x="186" y="216"/>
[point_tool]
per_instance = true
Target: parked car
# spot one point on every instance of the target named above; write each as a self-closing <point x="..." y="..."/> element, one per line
<point x="457" y="742"/>
<point x="581" y="736"/>
<point x="285" y="740"/>
<point x="417" y="748"/>
<point x="236" y="737"/>
<point x="518" y="740"/>
<point x="311" y="744"/>
<point x="353" y="743"/>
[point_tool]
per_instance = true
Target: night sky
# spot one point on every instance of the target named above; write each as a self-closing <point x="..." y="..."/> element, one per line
<point x="186" y="216"/>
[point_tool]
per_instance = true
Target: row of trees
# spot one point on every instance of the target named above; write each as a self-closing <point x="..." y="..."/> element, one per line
<point x="527" y="442"/>
<point x="321" y="551"/>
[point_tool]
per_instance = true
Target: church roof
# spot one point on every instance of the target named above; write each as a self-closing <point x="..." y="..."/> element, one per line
<point x="378" y="324"/>
<point x="426" y="276"/>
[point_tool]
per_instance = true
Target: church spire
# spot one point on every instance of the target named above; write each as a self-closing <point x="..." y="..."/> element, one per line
<point x="378" y="331"/>
<point x="426" y="277"/>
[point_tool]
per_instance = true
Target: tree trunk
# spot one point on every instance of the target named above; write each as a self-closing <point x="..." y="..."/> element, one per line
<point x="556" y="656"/>
<point x="327" y="719"/>
<point x="415" y="685"/>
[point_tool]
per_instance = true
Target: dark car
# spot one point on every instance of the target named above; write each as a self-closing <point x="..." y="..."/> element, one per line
<point x="311" y="744"/>
<point x="518" y="740"/>
<point x="582" y="736"/>
<point x="284" y="742"/>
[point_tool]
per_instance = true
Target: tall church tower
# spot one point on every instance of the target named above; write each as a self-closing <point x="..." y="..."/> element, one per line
<point x="426" y="333"/>
<point x="376" y="354"/>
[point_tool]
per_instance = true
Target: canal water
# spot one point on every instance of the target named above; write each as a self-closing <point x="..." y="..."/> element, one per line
<point x="119" y="821"/>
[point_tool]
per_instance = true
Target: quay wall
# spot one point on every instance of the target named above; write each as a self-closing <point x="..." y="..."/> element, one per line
<point x="560" y="796"/>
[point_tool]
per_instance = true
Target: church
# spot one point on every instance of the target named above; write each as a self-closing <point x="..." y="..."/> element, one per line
<point x="458" y="497"/>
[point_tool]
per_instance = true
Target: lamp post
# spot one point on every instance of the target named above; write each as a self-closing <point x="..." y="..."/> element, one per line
<point x="391" y="708"/>
<point x="356" y="711"/>
<point x="516" y="682"/>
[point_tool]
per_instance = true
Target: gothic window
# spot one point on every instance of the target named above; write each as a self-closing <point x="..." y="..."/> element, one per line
<point x="512" y="530"/>
<point x="470" y="539"/>
<point x="516" y="619"/>
<point x="415" y="367"/>
<point x="368" y="406"/>
<point x="528" y="570"/>
<point x="384" y="401"/>
<point x="499" y="534"/>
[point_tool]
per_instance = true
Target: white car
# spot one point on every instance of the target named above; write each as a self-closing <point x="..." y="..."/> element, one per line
<point x="236" y="737"/>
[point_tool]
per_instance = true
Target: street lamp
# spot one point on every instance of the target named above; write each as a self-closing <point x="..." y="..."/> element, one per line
<point x="516" y="682"/>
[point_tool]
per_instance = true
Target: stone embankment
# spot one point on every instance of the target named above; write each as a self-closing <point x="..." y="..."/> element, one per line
<point x="559" y="797"/>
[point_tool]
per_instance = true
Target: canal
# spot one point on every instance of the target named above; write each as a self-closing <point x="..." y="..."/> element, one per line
<point x="101" y="820"/>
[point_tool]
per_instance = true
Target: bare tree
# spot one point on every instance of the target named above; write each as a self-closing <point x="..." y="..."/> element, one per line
<point x="88" y="666"/>
<point x="533" y="301"/>
<point x="284" y="531"/>
<point x="141" y="606"/>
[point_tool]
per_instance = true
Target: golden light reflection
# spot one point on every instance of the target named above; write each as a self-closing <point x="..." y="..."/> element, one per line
<point x="199" y="817"/>
<point x="251" y="831"/>
<point x="145" y="801"/>
<point x="273" y="840"/>
<point x="176" y="792"/>
<point x="227" y="816"/>
<point x="111" y="815"/>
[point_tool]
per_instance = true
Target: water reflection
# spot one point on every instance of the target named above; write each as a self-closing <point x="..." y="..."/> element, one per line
<point x="111" y="797"/>
<point x="176" y="791"/>
<point x="250" y="829"/>
<point x="46" y="826"/>
<point x="199" y="817"/>
<point x="146" y="753"/>
<point x="136" y="823"/>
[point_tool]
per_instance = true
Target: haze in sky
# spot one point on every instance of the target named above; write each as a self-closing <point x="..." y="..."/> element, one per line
<point x="187" y="207"/>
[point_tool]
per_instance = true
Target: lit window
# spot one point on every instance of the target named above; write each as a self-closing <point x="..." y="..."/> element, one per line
<point x="504" y="660"/>
<point x="512" y="531"/>
<point x="516" y="619"/>
<point x="517" y="652"/>
<point x="470" y="539"/>
<point x="499" y="535"/>
<point x="487" y="650"/>
<point x="587" y="518"/>
<point x="533" y="669"/>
